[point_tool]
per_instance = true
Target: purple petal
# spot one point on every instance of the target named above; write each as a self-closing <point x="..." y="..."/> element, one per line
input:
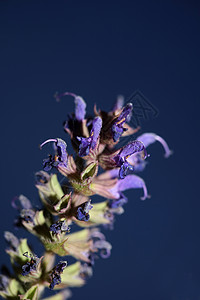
<point x="80" y="108"/>
<point x="125" y="167"/>
<point x="130" y="182"/>
<point x="150" y="138"/>
<point x="61" y="157"/>
<point x="119" y="103"/>
<point x="117" y="127"/>
<point x="96" y="129"/>
<point x="80" y="104"/>
<point x="133" y="182"/>
<point x="131" y="148"/>
<point x="90" y="142"/>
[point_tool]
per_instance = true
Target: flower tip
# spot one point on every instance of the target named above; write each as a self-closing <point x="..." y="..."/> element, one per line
<point x="47" y="141"/>
<point x="168" y="153"/>
<point x="145" y="197"/>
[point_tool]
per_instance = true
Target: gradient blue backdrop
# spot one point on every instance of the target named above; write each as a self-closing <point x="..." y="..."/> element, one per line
<point x="99" y="49"/>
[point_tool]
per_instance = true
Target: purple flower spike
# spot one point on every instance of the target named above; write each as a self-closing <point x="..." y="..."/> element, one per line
<point x="80" y="105"/>
<point x="55" y="275"/>
<point x="90" y="142"/>
<point x="117" y="128"/>
<point x="83" y="211"/>
<point x="150" y="138"/>
<point x="60" y="158"/>
<point x="125" y="153"/>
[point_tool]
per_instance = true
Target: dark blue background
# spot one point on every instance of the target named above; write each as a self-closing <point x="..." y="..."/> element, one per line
<point x="99" y="49"/>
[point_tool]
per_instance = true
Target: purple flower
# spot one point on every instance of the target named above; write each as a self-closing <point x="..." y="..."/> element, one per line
<point x="117" y="127"/>
<point x="61" y="157"/>
<point x="4" y="282"/>
<point x="80" y="105"/>
<point x="90" y="142"/>
<point x="41" y="178"/>
<point x="125" y="153"/>
<point x="150" y="138"/>
<point x="55" y="275"/>
<point x="115" y="203"/>
<point x="83" y="211"/>
<point x="130" y="182"/>
<point x="27" y="214"/>
<point x="59" y="227"/>
<point x="12" y="240"/>
<point x="23" y="203"/>
<point x="30" y="265"/>
<point x="100" y="244"/>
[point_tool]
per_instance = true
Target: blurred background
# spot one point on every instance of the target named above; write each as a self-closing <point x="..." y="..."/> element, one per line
<point x="99" y="49"/>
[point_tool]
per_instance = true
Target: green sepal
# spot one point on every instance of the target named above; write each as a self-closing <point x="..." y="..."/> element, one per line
<point x="63" y="204"/>
<point x="97" y="216"/>
<point x="71" y="276"/>
<point x="17" y="256"/>
<point x="81" y="183"/>
<point x="13" y="290"/>
<point x="31" y="294"/>
<point x="53" y="197"/>
<point x="48" y="261"/>
<point x="76" y="244"/>
<point x="90" y="171"/>
<point x="52" y="188"/>
<point x="55" y="246"/>
<point x="39" y="226"/>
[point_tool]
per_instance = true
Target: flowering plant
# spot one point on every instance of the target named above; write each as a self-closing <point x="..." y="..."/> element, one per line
<point x="98" y="167"/>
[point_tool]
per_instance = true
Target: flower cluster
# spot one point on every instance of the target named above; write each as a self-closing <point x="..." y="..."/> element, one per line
<point x="98" y="166"/>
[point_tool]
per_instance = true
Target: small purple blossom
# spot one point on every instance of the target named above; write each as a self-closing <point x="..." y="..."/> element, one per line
<point x="41" y="178"/>
<point x="117" y="127"/>
<point x="125" y="153"/>
<point x="91" y="142"/>
<point x="80" y="105"/>
<point x="104" y="247"/>
<point x="83" y="211"/>
<point x="61" y="157"/>
<point x="86" y="270"/>
<point x="4" y="282"/>
<point x="55" y="274"/>
<point x="23" y="203"/>
<point x="27" y="215"/>
<point x="59" y="227"/>
<point x="12" y="240"/>
<point x="30" y="265"/>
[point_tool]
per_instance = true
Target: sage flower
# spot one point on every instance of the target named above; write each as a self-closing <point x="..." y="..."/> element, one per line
<point x="98" y="166"/>
<point x="91" y="142"/>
